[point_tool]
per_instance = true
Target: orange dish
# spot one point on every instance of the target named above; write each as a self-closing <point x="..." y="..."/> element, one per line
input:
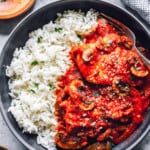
<point x="103" y="96"/>
<point x="13" y="8"/>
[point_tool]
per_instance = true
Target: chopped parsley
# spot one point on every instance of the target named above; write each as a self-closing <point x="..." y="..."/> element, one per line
<point x="132" y="79"/>
<point x="34" y="63"/>
<point x="116" y="62"/>
<point x="138" y="68"/>
<point x="39" y="39"/>
<point x="36" y="85"/>
<point x="102" y="117"/>
<point x="58" y="29"/>
<point x="32" y="91"/>
<point x="96" y="94"/>
<point x="80" y="37"/>
<point x="51" y="87"/>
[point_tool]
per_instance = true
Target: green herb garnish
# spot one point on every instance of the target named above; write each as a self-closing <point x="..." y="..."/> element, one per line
<point x="80" y="37"/>
<point x="36" y="85"/>
<point x="102" y="117"/>
<point x="137" y="68"/>
<point x="132" y="79"/>
<point x="39" y="39"/>
<point x="51" y="87"/>
<point x="34" y="63"/>
<point x="96" y="94"/>
<point x="32" y="91"/>
<point x="116" y="62"/>
<point x="58" y="29"/>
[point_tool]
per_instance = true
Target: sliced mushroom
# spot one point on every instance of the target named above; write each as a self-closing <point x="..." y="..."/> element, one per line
<point x="109" y="146"/>
<point x="70" y="142"/>
<point x="76" y="88"/>
<point x="107" y="41"/>
<point x="142" y="49"/>
<point x="139" y="72"/>
<point x="88" y="52"/>
<point x="126" y="42"/>
<point x="105" y="135"/>
<point x="86" y="107"/>
<point x="100" y="146"/>
<point x="120" y="87"/>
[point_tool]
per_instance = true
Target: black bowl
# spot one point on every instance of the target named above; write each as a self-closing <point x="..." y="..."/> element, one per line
<point x="36" y="20"/>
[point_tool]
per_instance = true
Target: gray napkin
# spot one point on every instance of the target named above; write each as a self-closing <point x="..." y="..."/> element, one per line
<point x="142" y="7"/>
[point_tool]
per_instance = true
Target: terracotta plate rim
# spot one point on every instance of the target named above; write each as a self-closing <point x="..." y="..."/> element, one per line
<point x="18" y="12"/>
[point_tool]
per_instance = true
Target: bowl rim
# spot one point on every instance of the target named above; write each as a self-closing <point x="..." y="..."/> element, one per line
<point x="33" y="13"/>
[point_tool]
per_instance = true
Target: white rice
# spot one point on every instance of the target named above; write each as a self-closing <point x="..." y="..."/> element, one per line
<point x="35" y="68"/>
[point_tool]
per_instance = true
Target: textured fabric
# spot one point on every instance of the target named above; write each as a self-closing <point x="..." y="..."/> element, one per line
<point x="142" y="7"/>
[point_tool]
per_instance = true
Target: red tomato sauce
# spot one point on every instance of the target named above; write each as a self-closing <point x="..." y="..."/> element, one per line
<point x="104" y="94"/>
